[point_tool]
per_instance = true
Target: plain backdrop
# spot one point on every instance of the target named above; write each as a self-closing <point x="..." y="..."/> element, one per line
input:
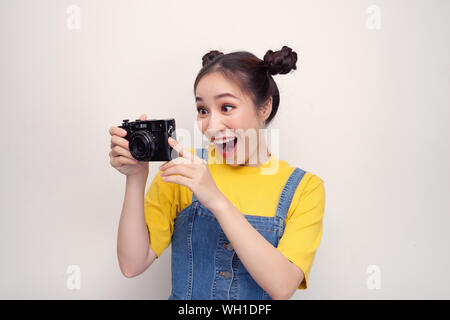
<point x="366" y="110"/>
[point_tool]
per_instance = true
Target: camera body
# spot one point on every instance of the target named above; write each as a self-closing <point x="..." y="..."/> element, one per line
<point x="148" y="139"/>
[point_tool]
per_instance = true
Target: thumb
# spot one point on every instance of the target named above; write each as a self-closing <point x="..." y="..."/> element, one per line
<point x="143" y="117"/>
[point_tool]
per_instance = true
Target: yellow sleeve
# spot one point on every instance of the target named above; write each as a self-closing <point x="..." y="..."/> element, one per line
<point x="162" y="202"/>
<point x="303" y="230"/>
<point x="160" y="208"/>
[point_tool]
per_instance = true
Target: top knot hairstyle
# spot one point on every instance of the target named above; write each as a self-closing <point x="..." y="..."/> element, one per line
<point x="253" y="75"/>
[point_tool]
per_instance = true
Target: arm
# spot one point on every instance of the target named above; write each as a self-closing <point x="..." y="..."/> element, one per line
<point x="133" y="246"/>
<point x="278" y="276"/>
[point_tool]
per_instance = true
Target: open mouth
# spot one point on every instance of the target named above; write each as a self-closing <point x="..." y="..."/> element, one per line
<point x="227" y="149"/>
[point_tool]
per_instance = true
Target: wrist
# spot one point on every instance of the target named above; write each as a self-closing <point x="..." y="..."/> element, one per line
<point x="140" y="178"/>
<point x="220" y="206"/>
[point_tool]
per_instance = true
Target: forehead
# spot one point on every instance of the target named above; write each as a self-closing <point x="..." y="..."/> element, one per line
<point x="215" y="83"/>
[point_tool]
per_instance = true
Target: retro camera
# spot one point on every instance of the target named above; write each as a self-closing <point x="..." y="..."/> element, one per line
<point x="148" y="139"/>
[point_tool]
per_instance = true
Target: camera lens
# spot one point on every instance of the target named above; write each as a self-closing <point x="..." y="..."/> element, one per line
<point x="142" y="146"/>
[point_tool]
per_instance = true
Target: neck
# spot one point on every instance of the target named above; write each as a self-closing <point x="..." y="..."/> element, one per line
<point x="257" y="158"/>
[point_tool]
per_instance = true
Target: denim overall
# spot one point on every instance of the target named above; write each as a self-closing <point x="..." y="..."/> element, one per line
<point x="204" y="264"/>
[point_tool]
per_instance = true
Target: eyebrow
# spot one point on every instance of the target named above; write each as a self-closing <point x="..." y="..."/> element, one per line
<point x="226" y="94"/>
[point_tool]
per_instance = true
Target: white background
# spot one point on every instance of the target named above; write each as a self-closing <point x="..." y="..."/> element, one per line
<point x="366" y="110"/>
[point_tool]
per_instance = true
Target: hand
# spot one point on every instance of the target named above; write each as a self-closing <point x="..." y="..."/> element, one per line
<point x="120" y="156"/>
<point x="192" y="172"/>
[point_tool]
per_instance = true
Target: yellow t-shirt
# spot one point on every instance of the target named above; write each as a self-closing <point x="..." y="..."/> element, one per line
<point x="251" y="193"/>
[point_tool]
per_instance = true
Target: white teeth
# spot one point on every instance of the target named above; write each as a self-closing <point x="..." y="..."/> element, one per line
<point x="224" y="141"/>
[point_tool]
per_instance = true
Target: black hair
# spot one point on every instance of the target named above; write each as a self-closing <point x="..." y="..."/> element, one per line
<point x="253" y="75"/>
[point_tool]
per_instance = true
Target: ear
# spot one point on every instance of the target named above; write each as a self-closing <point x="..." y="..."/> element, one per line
<point x="266" y="109"/>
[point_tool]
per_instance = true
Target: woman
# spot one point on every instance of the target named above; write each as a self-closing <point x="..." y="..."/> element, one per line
<point x="235" y="233"/>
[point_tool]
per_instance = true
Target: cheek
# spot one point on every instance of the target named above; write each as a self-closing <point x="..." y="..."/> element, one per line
<point x="235" y="123"/>
<point x="241" y="120"/>
<point x="202" y="124"/>
<point x="245" y="123"/>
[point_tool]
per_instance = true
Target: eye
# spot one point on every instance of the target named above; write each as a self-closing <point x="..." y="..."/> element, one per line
<point x="227" y="105"/>
<point x="199" y="109"/>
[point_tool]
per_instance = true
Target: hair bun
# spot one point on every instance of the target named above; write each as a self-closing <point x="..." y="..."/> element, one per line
<point x="207" y="58"/>
<point x="280" y="62"/>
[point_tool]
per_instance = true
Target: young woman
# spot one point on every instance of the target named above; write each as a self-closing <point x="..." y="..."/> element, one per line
<point x="236" y="233"/>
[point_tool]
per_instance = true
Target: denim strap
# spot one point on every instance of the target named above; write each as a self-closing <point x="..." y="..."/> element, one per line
<point x="201" y="153"/>
<point x="289" y="189"/>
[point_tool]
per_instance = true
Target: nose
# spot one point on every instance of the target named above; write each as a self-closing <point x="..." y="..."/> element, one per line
<point x="215" y="125"/>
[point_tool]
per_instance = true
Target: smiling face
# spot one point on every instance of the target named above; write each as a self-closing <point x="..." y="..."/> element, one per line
<point x="225" y="111"/>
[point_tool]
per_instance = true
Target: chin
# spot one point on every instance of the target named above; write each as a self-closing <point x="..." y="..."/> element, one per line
<point x="233" y="164"/>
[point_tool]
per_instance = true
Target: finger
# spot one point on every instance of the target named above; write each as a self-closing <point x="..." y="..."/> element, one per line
<point x="121" y="160"/>
<point x="117" y="131"/>
<point x="119" y="151"/>
<point x="181" y="169"/>
<point x="114" y="161"/>
<point x="173" y="162"/>
<point x="116" y="140"/>
<point x="179" y="180"/>
<point x="164" y="164"/>
<point x="143" y="117"/>
<point x="181" y="161"/>
<point x="182" y="152"/>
